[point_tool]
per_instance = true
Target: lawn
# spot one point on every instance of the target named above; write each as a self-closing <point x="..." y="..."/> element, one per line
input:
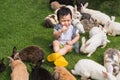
<point x="21" y="25"/>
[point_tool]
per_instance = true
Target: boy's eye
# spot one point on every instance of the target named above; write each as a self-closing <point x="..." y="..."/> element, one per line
<point x="68" y="20"/>
<point x="63" y="20"/>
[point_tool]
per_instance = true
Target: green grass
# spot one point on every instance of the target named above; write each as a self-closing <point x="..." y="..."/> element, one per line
<point x="21" y="25"/>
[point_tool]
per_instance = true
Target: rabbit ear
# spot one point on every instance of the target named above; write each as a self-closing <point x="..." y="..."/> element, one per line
<point x="113" y="18"/>
<point x="83" y="40"/>
<point x="56" y="75"/>
<point x="110" y="69"/>
<point x="105" y="74"/>
<point x="100" y="26"/>
<point x="83" y="44"/>
<point x="14" y="53"/>
<point x="14" y="50"/>
<point x="75" y="8"/>
<point x="86" y="5"/>
<point x="82" y="5"/>
<point x="16" y="56"/>
<point x="11" y="59"/>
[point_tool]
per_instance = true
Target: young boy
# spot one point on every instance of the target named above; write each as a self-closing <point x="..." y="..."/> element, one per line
<point x="64" y="33"/>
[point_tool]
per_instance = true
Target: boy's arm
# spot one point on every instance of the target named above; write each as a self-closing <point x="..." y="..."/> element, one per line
<point x="57" y="33"/>
<point x="76" y="38"/>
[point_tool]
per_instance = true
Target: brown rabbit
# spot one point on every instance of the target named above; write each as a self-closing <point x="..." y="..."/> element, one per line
<point x="19" y="69"/>
<point x="31" y="54"/>
<point x="61" y="73"/>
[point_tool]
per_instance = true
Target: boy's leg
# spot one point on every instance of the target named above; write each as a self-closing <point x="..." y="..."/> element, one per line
<point x="56" y="48"/>
<point x="56" y="45"/>
<point x="65" y="49"/>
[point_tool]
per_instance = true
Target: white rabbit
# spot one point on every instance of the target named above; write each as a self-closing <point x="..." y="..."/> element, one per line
<point x="95" y="41"/>
<point x="78" y="25"/>
<point x="98" y="16"/>
<point x="112" y="27"/>
<point x="88" y="68"/>
<point x="95" y="30"/>
<point x="76" y="14"/>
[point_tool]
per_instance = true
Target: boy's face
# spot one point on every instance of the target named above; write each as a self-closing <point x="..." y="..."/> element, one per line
<point x="65" y="20"/>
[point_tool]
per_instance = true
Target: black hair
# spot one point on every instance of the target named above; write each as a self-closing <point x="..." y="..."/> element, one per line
<point x="63" y="11"/>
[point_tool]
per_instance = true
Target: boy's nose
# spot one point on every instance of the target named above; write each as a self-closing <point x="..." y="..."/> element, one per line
<point x="66" y="23"/>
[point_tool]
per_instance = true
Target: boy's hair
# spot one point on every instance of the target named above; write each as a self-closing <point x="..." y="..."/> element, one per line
<point x="63" y="11"/>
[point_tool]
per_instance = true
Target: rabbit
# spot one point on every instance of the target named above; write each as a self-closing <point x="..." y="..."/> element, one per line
<point x="76" y="13"/>
<point x="40" y="73"/>
<point x="56" y="5"/>
<point x="30" y="53"/>
<point x="19" y="69"/>
<point x="90" y="46"/>
<point x="112" y="27"/>
<point x="61" y="73"/>
<point x="88" y="68"/>
<point x="111" y="60"/>
<point x="50" y="21"/>
<point x="95" y="30"/>
<point x="78" y="25"/>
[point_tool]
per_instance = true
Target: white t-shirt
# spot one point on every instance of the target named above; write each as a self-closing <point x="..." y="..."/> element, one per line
<point x="67" y="35"/>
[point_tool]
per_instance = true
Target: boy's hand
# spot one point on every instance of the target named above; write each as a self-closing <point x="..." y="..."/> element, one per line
<point x="69" y="43"/>
<point x="64" y="28"/>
